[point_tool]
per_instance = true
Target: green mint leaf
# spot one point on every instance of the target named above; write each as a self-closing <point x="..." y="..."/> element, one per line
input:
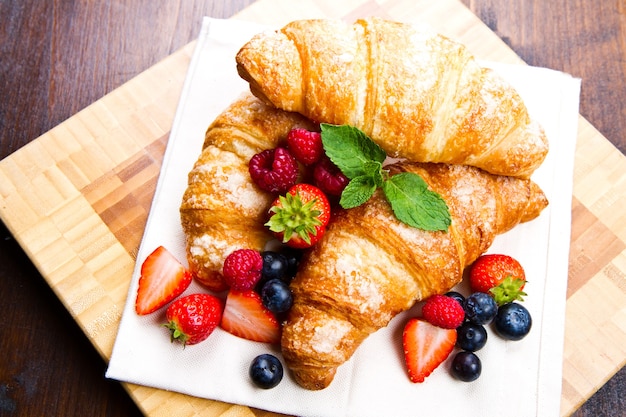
<point x="374" y="169"/>
<point x="414" y="204"/>
<point x="358" y="191"/>
<point x="350" y="149"/>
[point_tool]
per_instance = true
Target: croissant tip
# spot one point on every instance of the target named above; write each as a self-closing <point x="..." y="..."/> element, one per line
<point x="314" y="380"/>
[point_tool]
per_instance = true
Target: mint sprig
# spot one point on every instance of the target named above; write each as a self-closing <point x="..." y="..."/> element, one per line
<point x="361" y="160"/>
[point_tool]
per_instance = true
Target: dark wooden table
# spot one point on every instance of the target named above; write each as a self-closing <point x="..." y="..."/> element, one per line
<point x="59" y="56"/>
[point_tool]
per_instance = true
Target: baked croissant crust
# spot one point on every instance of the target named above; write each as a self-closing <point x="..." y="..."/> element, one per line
<point x="222" y="209"/>
<point x="384" y="267"/>
<point x="419" y="95"/>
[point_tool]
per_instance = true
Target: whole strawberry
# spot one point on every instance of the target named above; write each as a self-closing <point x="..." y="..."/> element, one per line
<point x="299" y="218"/>
<point x="242" y="269"/>
<point x="191" y="319"/>
<point x="443" y="311"/>
<point x="501" y="276"/>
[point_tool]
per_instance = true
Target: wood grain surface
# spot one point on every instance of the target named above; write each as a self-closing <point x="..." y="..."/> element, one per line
<point x="60" y="56"/>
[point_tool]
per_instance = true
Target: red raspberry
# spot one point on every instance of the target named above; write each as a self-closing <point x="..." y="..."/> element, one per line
<point x="443" y="311"/>
<point x="242" y="269"/>
<point x="306" y="146"/>
<point x="274" y="170"/>
<point x="328" y="177"/>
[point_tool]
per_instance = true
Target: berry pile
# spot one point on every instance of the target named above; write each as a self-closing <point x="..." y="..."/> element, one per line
<point x="254" y="312"/>
<point x="190" y="319"/>
<point x="452" y="320"/>
<point x="258" y="293"/>
<point x="257" y="297"/>
<point x="303" y="158"/>
<point x="302" y="178"/>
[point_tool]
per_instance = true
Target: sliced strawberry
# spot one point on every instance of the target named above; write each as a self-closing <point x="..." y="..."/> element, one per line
<point x="245" y="316"/>
<point x="425" y="347"/>
<point x="162" y="279"/>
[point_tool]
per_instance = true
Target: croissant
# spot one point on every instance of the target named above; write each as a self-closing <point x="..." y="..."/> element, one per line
<point x="385" y="267"/>
<point x="222" y="209"/>
<point x="419" y="95"/>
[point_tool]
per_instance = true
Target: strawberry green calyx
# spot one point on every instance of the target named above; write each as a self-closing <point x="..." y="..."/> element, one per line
<point x="176" y="334"/>
<point x="509" y="290"/>
<point x="294" y="217"/>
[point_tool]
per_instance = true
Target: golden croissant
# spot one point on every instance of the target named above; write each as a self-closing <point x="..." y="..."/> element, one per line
<point x="222" y="209"/>
<point x="384" y="267"/>
<point x="419" y="95"/>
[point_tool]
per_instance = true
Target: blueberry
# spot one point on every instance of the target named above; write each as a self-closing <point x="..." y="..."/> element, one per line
<point x="513" y="321"/>
<point x="466" y="366"/>
<point x="275" y="266"/>
<point x="276" y="296"/>
<point x="480" y="308"/>
<point x="471" y="336"/>
<point x="266" y="371"/>
<point x="293" y="260"/>
<point x="456" y="295"/>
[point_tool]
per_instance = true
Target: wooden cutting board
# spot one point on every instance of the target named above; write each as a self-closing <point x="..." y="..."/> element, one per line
<point x="77" y="199"/>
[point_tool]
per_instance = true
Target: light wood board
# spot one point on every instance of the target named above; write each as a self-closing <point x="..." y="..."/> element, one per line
<point x="77" y="199"/>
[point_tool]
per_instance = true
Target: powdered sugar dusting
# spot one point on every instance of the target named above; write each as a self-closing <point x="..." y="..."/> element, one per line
<point x="211" y="249"/>
<point x="231" y="184"/>
<point x="365" y="283"/>
<point x="327" y="337"/>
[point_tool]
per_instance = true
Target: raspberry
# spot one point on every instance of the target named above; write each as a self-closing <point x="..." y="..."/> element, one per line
<point x="306" y="146"/>
<point x="242" y="269"/>
<point x="274" y="170"/>
<point x="443" y="311"/>
<point x="328" y="177"/>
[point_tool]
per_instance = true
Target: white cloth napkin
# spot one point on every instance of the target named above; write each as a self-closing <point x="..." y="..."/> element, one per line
<point x="519" y="378"/>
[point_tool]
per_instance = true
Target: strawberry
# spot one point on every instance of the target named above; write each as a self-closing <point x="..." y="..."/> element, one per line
<point x="299" y="218"/>
<point x="191" y="319"/>
<point x="162" y="279"/>
<point x="426" y="346"/>
<point x="501" y="276"/>
<point x="245" y="316"/>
